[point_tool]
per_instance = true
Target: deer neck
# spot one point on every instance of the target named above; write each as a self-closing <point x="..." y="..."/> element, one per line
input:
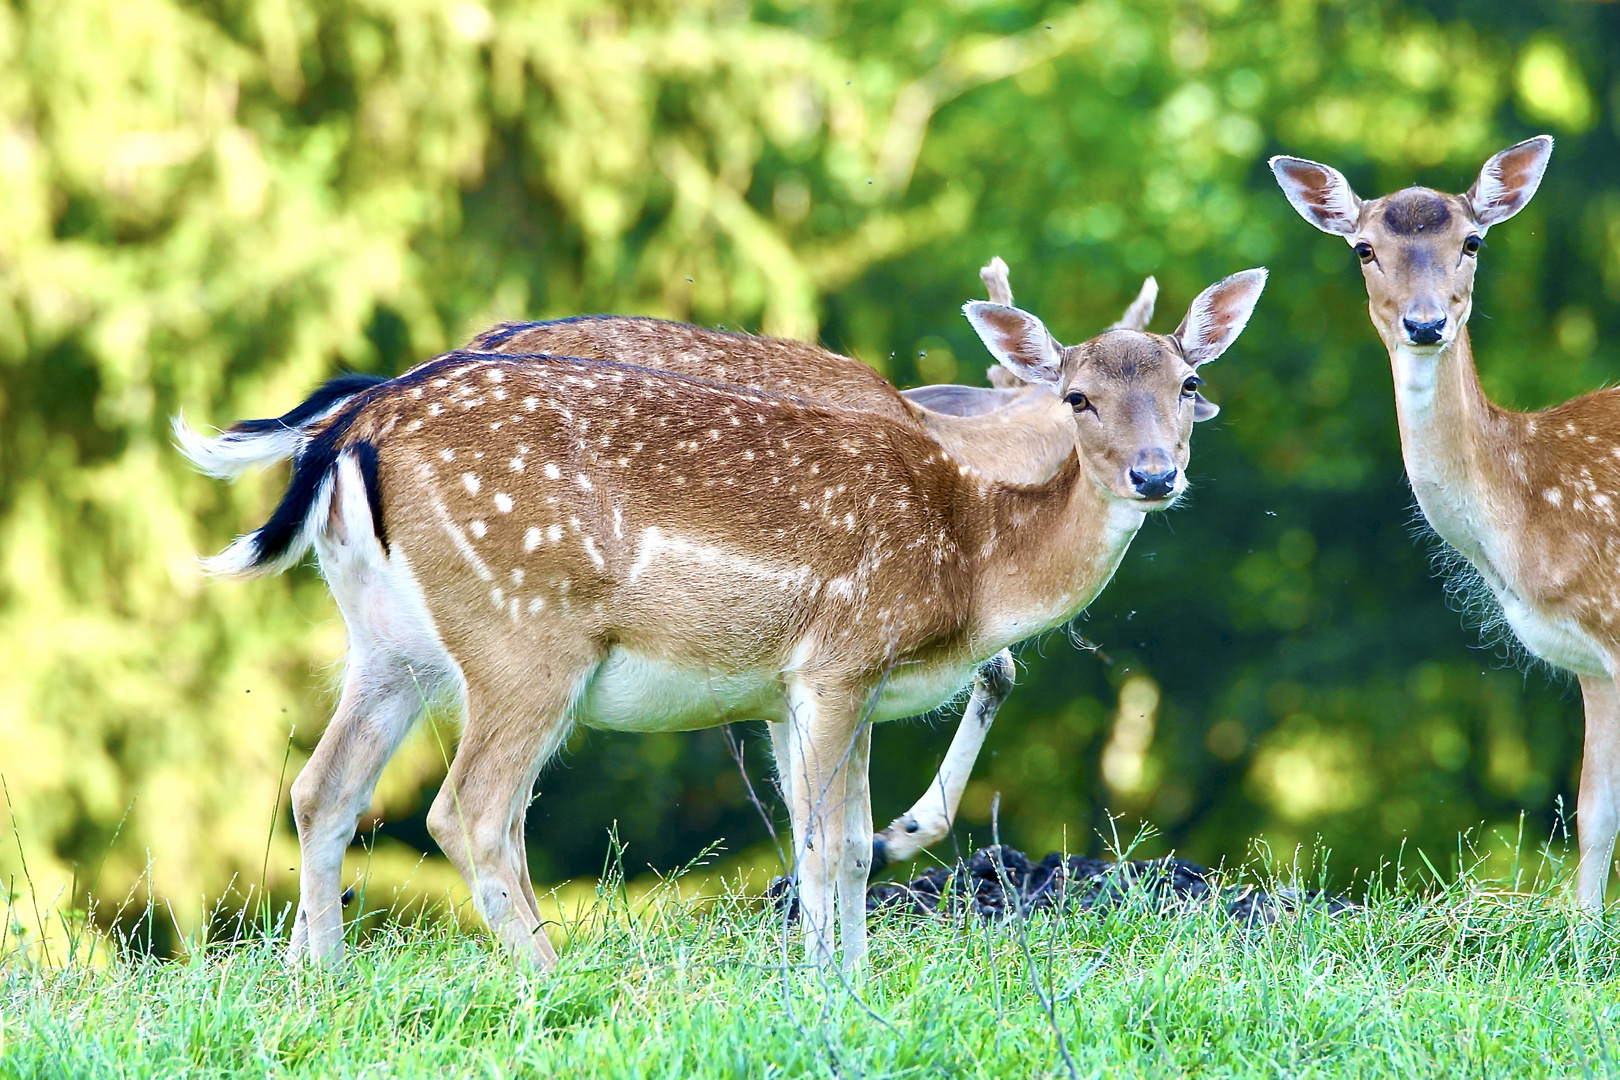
<point x="1026" y="442"/>
<point x="1451" y="438"/>
<point x="1044" y="552"/>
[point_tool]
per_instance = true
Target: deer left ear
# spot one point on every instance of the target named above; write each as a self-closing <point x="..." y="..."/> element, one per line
<point x="1019" y="340"/>
<point x="1509" y="179"/>
<point x="1219" y="315"/>
<point x="1203" y="408"/>
<point x="1321" y="194"/>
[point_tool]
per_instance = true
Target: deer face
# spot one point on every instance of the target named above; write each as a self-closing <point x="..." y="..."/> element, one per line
<point x="1418" y="248"/>
<point x="1134" y="395"/>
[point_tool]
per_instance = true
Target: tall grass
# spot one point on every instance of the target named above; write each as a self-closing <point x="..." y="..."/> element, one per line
<point x="1470" y="978"/>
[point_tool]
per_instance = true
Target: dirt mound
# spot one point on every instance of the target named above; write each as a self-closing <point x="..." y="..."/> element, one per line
<point x="998" y="881"/>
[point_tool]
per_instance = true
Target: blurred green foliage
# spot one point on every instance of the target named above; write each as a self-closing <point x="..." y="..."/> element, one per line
<point x="210" y="206"/>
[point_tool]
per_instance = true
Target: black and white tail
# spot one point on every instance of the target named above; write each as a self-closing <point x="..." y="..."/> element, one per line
<point x="315" y="451"/>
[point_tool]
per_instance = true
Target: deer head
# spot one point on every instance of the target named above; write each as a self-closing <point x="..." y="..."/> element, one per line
<point x="1418" y="247"/>
<point x="1134" y="395"/>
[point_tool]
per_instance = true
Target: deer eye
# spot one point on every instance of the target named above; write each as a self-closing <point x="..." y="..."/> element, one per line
<point x="1077" y="401"/>
<point x="1190" y="387"/>
<point x="1472" y="245"/>
<point x="1364" y="251"/>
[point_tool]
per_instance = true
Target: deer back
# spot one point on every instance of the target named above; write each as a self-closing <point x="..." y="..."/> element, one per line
<point x="699" y="523"/>
<point x="1019" y="436"/>
<point x="777" y="365"/>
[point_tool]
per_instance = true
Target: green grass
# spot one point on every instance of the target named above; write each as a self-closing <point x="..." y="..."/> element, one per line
<point x="1469" y="982"/>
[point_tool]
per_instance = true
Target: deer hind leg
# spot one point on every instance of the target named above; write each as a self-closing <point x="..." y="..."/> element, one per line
<point x="379" y="703"/>
<point x="929" y="820"/>
<point x="1597" y="817"/>
<point x="477" y="816"/>
<point x="823" y="754"/>
<point x="520" y="849"/>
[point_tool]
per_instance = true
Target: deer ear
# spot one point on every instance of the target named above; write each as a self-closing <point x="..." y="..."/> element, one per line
<point x="1219" y="315"/>
<point x="1508" y="180"/>
<point x="1203" y="408"/>
<point x="994" y="276"/>
<point x="1321" y="194"/>
<point x="1002" y="379"/>
<point x="1019" y="340"/>
<point x="1140" y="313"/>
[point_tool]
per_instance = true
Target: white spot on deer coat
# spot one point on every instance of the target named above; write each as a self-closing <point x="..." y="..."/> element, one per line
<point x="459" y="539"/>
<point x="503" y="502"/>
<point x="654" y="547"/>
<point x="471" y="483"/>
<point x="531" y="538"/>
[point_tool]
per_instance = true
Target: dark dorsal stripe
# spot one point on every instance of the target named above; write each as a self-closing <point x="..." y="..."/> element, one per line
<point x="1414" y="212"/>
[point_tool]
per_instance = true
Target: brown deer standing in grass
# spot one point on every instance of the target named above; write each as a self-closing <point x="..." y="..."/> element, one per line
<point x="550" y="541"/>
<point x="1529" y="499"/>
<point x="1017" y="434"/>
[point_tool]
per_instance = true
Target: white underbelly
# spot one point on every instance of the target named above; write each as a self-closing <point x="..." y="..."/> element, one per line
<point x="911" y="690"/>
<point x="1559" y="642"/>
<point x="633" y="692"/>
<point x="630" y="691"/>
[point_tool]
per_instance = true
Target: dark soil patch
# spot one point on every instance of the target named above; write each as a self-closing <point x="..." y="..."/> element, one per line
<point x="1001" y="881"/>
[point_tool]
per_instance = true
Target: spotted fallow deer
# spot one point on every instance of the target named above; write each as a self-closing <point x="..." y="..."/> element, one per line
<point x="552" y="541"/>
<point x="1529" y="499"/>
<point x="1018" y="434"/>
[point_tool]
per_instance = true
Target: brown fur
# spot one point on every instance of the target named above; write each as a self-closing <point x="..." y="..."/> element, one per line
<point x="642" y="550"/>
<point x="1021" y="438"/>
<point x="1024" y="445"/>
<point x="1530" y="499"/>
<point x="776" y="364"/>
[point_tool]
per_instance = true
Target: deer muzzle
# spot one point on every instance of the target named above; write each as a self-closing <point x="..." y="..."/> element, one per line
<point x="1153" y="473"/>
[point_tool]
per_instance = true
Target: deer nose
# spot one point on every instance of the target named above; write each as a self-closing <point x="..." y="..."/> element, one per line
<point x="1153" y="474"/>
<point x="1424" y="333"/>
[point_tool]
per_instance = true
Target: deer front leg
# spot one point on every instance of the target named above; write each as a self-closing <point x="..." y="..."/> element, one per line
<point x="479" y="810"/>
<point x="855" y="855"/>
<point x="930" y="820"/>
<point x="1597" y="811"/>
<point x="822" y="747"/>
<point x="376" y="709"/>
<point x="781" y="750"/>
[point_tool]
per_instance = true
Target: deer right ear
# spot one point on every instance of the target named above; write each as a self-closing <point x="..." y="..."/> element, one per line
<point x="1002" y="379"/>
<point x="994" y="276"/>
<point x="1219" y="315"/>
<point x="1019" y="340"/>
<point x="1508" y="180"/>
<point x="1140" y="313"/>
<point x="1321" y="194"/>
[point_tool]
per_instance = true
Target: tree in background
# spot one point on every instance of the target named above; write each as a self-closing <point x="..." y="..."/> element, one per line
<point x="213" y="206"/>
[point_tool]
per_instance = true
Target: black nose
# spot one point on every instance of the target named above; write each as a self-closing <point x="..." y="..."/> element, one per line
<point x="1153" y="474"/>
<point x="1424" y="333"/>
